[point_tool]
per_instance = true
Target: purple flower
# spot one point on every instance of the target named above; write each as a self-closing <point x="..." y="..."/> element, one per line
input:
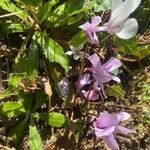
<point x="92" y="94"/>
<point x="107" y="124"/>
<point x="119" y="23"/>
<point x="91" y="29"/>
<point x="102" y="72"/>
<point x="63" y="86"/>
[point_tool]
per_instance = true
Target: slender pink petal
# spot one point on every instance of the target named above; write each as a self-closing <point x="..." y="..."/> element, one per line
<point x="96" y="21"/>
<point x="122" y="116"/>
<point x="94" y="59"/>
<point x="104" y="132"/>
<point x="112" y="64"/>
<point x="111" y="142"/>
<point x="123" y="130"/>
<point x="85" y="26"/>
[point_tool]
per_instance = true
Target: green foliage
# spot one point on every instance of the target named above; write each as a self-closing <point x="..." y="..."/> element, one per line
<point x="115" y="90"/>
<point x="17" y="132"/>
<point x="35" y="141"/>
<point x="130" y="47"/>
<point x="10" y="27"/>
<point x="9" y="6"/>
<point x="126" y="46"/>
<point x="29" y="64"/>
<point x="78" y="39"/>
<point x="52" y="50"/>
<point x="102" y="5"/>
<point x="41" y="97"/>
<point x="54" y="119"/>
<point x="11" y="109"/>
<point x="78" y="131"/>
<point x="31" y="2"/>
<point x="44" y="9"/>
<point x="12" y="85"/>
<point x="69" y="12"/>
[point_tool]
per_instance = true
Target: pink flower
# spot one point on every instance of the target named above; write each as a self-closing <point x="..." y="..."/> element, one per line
<point x="99" y="75"/>
<point x="107" y="124"/>
<point x="102" y="72"/>
<point x="91" y="29"/>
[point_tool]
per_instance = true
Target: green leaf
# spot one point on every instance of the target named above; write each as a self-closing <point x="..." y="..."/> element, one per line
<point x="35" y="141"/>
<point x="31" y="2"/>
<point x="54" y="119"/>
<point x="9" y="6"/>
<point x="44" y="9"/>
<point x="127" y="46"/>
<point x="130" y="47"/>
<point x="26" y="99"/>
<point x="68" y="12"/>
<point x="17" y="132"/>
<point x="78" y="39"/>
<point x="52" y="50"/>
<point x="12" y="85"/>
<point x="102" y="5"/>
<point x="143" y="51"/>
<point x="29" y="64"/>
<point x="10" y="27"/>
<point x="78" y="131"/>
<point x="11" y="109"/>
<point x="41" y="97"/>
<point x="115" y="90"/>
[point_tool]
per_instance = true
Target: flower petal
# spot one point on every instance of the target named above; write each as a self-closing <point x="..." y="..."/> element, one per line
<point x="111" y="142"/>
<point x="123" y="130"/>
<point x="122" y="116"/>
<point x="120" y="14"/>
<point x="116" y="4"/>
<point x="91" y="95"/>
<point x="84" y="80"/>
<point x="106" y="120"/>
<point x="129" y="29"/>
<point x="63" y="86"/>
<point x="112" y="64"/>
<point x="136" y="4"/>
<point x="96" y="20"/>
<point x="69" y="53"/>
<point x="116" y="79"/>
<point x="104" y="132"/>
<point x="85" y="26"/>
<point x="94" y="59"/>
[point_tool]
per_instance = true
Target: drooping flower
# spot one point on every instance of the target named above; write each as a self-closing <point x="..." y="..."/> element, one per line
<point x="76" y="52"/>
<point x="63" y="86"/>
<point x="119" y="23"/>
<point x="91" y="29"/>
<point x="99" y="75"/>
<point x="106" y="125"/>
<point x="92" y="94"/>
<point x="102" y="72"/>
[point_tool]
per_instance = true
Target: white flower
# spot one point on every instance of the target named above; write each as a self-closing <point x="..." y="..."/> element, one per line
<point x="75" y="51"/>
<point x="119" y="23"/>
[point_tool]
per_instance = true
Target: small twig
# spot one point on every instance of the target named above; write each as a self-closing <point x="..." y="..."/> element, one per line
<point x="10" y="14"/>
